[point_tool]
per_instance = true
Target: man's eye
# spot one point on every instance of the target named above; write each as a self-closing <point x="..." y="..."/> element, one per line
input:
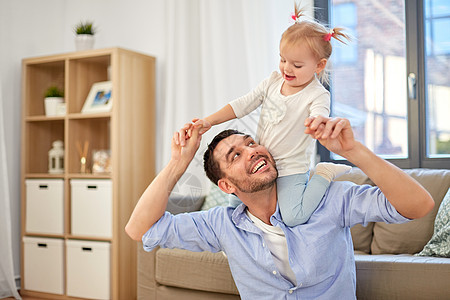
<point x="298" y="67"/>
<point x="251" y="143"/>
<point x="236" y="156"/>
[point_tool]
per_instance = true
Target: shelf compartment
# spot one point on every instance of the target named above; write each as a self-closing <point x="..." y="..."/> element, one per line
<point x="83" y="73"/>
<point x="96" y="131"/>
<point x="39" y="136"/>
<point x="39" y="78"/>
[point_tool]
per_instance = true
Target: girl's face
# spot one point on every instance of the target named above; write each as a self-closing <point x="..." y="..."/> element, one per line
<point x="298" y="66"/>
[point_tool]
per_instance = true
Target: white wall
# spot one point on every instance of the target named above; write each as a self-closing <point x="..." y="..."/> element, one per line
<point x="31" y="28"/>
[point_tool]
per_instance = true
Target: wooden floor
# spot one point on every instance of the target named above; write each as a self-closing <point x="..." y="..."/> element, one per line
<point x="25" y="298"/>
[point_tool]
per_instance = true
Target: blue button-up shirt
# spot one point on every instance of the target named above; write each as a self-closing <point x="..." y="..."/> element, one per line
<point x="320" y="251"/>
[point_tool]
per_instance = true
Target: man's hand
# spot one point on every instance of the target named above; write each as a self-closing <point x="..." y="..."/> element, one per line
<point x="152" y="204"/>
<point x="335" y="134"/>
<point x="184" y="145"/>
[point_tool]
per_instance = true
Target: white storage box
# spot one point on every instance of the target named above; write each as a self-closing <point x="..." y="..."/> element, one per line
<point x="44" y="206"/>
<point x="91" y="207"/>
<point x="43" y="265"/>
<point x="88" y="269"/>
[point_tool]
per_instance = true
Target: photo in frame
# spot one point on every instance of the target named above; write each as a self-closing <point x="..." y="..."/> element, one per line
<point x="99" y="98"/>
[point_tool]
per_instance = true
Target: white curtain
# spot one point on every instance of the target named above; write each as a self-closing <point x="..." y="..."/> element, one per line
<point x="7" y="283"/>
<point x="216" y="51"/>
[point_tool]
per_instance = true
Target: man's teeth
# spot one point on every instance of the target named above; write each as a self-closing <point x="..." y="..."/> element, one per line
<point x="258" y="166"/>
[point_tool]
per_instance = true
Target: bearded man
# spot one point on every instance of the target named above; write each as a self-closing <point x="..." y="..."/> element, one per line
<point x="268" y="259"/>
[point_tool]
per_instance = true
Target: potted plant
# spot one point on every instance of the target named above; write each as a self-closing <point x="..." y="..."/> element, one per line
<point x="54" y="101"/>
<point x="84" y="36"/>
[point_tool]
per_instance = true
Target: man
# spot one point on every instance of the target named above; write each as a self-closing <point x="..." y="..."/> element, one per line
<point x="269" y="260"/>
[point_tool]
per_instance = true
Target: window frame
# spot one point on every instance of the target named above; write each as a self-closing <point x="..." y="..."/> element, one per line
<point x="416" y="108"/>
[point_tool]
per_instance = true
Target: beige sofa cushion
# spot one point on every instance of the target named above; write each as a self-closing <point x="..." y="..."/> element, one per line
<point x="402" y="277"/>
<point x="203" y="271"/>
<point x="411" y="237"/>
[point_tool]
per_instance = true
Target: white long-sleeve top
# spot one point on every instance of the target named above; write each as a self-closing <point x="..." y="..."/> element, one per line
<point x="281" y="123"/>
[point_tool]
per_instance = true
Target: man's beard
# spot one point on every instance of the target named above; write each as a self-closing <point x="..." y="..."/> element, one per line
<point x="253" y="187"/>
<point x="256" y="185"/>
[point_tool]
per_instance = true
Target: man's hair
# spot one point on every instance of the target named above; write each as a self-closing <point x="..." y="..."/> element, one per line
<point x="211" y="166"/>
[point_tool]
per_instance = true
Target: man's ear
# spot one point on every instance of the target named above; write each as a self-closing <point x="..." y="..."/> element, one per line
<point x="226" y="186"/>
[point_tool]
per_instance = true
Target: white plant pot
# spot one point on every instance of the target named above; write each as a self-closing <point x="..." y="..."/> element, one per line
<point x="84" y="42"/>
<point x="52" y="105"/>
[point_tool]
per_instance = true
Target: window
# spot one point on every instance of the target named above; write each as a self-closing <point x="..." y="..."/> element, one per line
<point x="437" y="63"/>
<point x="391" y="82"/>
<point x="345" y="16"/>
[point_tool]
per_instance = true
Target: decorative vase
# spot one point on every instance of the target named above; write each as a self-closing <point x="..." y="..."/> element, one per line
<point x="51" y="106"/>
<point x="84" y="42"/>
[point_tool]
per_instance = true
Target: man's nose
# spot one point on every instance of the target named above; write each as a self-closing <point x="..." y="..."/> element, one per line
<point x="252" y="152"/>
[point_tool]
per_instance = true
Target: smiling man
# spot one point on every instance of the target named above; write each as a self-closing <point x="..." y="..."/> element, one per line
<point x="269" y="260"/>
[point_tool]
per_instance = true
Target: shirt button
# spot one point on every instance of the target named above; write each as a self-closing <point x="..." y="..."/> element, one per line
<point x="291" y="291"/>
<point x="264" y="245"/>
<point x="274" y="272"/>
<point x="300" y="284"/>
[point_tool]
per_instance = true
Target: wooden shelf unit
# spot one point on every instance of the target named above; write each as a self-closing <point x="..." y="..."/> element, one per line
<point x="128" y="130"/>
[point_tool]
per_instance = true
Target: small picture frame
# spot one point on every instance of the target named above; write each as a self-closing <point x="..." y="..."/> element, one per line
<point x="99" y="98"/>
<point x="101" y="161"/>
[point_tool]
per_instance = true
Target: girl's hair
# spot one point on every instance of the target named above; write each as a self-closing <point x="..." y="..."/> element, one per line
<point x="316" y="36"/>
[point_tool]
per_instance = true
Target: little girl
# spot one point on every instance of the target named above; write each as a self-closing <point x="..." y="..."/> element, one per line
<point x="287" y="99"/>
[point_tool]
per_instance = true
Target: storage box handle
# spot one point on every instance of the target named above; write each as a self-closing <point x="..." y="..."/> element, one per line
<point x="86" y="248"/>
<point x="92" y="187"/>
<point x="43" y="186"/>
<point x="42" y="245"/>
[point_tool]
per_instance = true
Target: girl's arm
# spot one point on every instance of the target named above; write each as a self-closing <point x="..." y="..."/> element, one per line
<point x="219" y="117"/>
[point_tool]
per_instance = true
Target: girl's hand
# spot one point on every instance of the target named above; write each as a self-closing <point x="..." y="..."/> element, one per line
<point x="206" y="125"/>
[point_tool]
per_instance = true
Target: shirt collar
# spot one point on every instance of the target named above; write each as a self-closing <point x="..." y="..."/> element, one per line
<point x="241" y="220"/>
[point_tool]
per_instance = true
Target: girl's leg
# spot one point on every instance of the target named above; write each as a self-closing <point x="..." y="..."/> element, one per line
<point x="298" y="198"/>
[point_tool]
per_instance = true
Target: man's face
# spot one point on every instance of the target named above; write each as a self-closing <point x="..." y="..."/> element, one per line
<point x="246" y="164"/>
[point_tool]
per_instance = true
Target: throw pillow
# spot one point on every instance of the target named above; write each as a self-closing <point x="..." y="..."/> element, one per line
<point x="362" y="237"/>
<point x="177" y="205"/>
<point x="215" y="197"/>
<point x="411" y="237"/>
<point x="439" y="245"/>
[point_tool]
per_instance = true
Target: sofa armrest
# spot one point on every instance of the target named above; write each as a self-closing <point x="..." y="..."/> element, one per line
<point x="146" y="283"/>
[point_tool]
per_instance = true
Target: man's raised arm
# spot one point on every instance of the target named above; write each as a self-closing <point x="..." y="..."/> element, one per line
<point x="153" y="202"/>
<point x="407" y="196"/>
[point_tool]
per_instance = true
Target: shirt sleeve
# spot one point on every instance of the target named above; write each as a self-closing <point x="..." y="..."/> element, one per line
<point x="320" y="106"/>
<point x="190" y="231"/>
<point x="244" y="105"/>
<point x="361" y="204"/>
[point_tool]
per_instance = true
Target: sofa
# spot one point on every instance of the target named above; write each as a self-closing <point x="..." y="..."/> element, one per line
<point x="386" y="267"/>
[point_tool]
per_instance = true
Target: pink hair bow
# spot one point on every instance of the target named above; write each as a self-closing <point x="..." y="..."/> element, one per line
<point x="327" y="37"/>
